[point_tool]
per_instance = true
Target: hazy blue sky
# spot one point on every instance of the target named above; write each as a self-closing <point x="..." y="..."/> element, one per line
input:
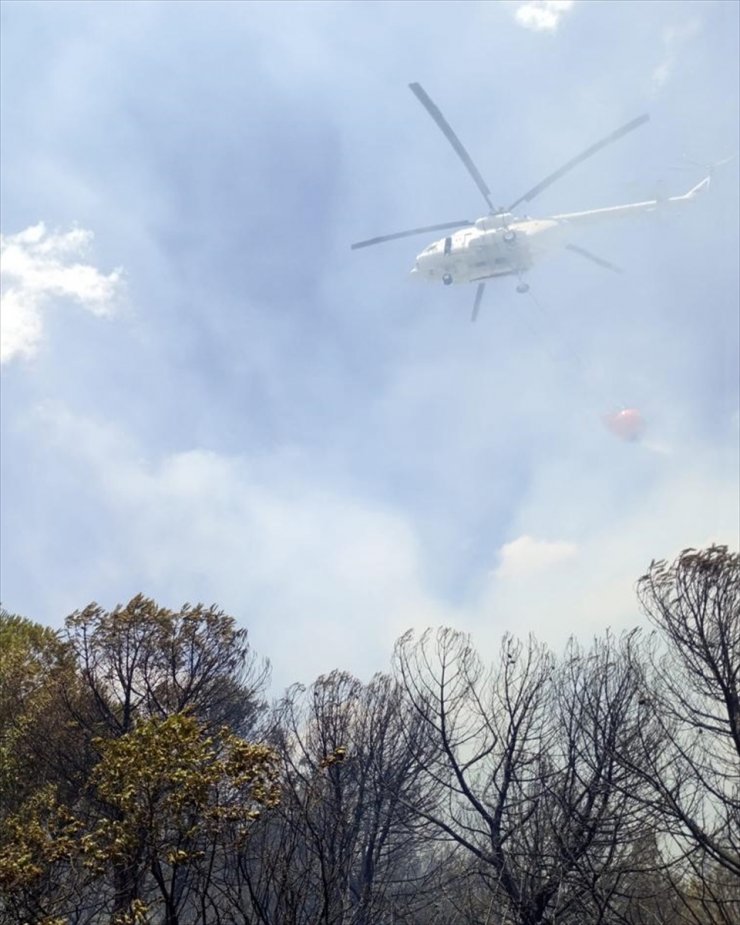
<point x="208" y="397"/>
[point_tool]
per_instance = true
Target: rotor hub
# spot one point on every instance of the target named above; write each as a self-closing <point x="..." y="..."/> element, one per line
<point x="494" y="221"/>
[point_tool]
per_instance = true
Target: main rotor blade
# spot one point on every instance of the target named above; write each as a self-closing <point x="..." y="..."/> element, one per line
<point x="589" y="256"/>
<point x="615" y="136"/>
<point x="444" y="125"/>
<point x="408" y="234"/>
<point x="477" y="300"/>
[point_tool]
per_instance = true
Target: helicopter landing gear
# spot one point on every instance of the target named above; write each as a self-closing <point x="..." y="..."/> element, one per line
<point x="447" y="279"/>
<point x="522" y="288"/>
<point x="509" y="236"/>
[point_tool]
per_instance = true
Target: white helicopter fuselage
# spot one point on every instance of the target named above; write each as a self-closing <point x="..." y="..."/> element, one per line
<point x="502" y="244"/>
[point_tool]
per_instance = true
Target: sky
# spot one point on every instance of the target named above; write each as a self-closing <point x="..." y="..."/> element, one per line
<point x="206" y="396"/>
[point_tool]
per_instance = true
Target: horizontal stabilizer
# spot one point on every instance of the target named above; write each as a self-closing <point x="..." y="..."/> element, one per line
<point x="695" y="190"/>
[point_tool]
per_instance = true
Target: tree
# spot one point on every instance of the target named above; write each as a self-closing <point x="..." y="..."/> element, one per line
<point x="34" y="666"/>
<point x="691" y="692"/>
<point x="524" y="767"/>
<point x="39" y="881"/>
<point x="125" y="766"/>
<point x="39" y="783"/>
<point x="143" y="660"/>
<point x="342" y="848"/>
<point x="183" y="797"/>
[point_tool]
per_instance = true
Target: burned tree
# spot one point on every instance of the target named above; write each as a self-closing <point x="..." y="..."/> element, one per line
<point x="691" y="691"/>
<point x="524" y="767"/>
<point x="342" y="848"/>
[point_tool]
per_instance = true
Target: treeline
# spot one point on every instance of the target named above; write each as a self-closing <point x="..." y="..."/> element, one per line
<point x="144" y="779"/>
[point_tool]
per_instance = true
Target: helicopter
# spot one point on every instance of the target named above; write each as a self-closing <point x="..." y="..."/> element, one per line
<point x="502" y="243"/>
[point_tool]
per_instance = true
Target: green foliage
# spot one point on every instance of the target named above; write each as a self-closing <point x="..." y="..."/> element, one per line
<point x="172" y="782"/>
<point x="35" y="665"/>
<point x="116" y="763"/>
<point x="41" y="834"/>
<point x="39" y="851"/>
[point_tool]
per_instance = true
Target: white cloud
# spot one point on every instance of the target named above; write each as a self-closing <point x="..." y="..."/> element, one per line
<point x="694" y="502"/>
<point x="38" y="269"/>
<point x="525" y="556"/>
<point x="542" y="15"/>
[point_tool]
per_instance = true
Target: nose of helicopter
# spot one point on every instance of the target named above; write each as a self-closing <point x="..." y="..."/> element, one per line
<point x="415" y="273"/>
